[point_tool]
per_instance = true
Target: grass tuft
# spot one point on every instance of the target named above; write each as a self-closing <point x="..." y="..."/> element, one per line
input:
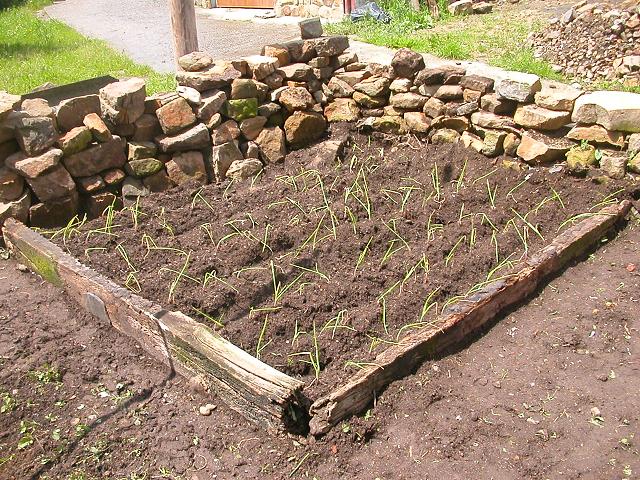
<point x="34" y="51"/>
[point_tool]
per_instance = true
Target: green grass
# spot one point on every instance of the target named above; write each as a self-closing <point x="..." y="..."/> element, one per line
<point x="34" y="51"/>
<point x="496" y="38"/>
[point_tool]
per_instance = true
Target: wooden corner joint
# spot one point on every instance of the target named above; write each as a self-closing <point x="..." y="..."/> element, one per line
<point x="261" y="393"/>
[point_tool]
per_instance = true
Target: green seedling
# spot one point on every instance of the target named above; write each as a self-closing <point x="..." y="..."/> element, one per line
<point x="398" y="240"/>
<point x="515" y="189"/>
<point x="162" y="217"/>
<point x="375" y="341"/>
<point x="8" y="403"/>
<point x="45" y="375"/>
<point x="528" y="224"/>
<point x="314" y="271"/>
<point x="360" y="365"/>
<point x="492" y="195"/>
<point x="199" y="197"/>
<point x="179" y="275"/>
<point x="359" y="191"/>
<point x="435" y="180"/>
<point x="136" y="212"/>
<point x="216" y="321"/>
<point x="336" y="323"/>
<point x="131" y="281"/>
<point x="258" y="310"/>
<point x="261" y="345"/>
<point x="72" y="227"/>
<point x="280" y="290"/>
<point x="460" y="180"/>
<point x="486" y="175"/>
<point x="314" y="356"/>
<point x="610" y="199"/>
<point x="449" y="258"/>
<point x="432" y="227"/>
<point x="362" y="255"/>
<point x="150" y="244"/>
<point x="494" y="242"/>
<point x="109" y="215"/>
<point x="213" y="275"/>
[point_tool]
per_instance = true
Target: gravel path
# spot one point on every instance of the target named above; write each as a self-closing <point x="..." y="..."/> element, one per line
<point x="142" y="29"/>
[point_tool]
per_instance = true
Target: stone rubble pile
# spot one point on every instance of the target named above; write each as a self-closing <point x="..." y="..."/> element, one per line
<point x="231" y="119"/>
<point x="593" y="41"/>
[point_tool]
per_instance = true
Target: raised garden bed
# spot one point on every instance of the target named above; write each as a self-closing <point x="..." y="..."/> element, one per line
<point x="317" y="266"/>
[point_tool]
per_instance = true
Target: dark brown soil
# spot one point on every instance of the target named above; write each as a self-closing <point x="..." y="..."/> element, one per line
<point x="422" y="247"/>
<point x="515" y="403"/>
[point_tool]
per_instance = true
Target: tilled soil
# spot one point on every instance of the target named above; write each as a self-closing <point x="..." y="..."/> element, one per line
<point x="519" y="401"/>
<point x="316" y="281"/>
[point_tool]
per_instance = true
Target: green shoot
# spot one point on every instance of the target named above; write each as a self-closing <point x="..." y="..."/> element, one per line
<point x="435" y="180"/>
<point x="449" y="258"/>
<point x="315" y="271"/>
<point x="261" y="345"/>
<point x="336" y="323"/>
<point x="180" y="274"/>
<point x="216" y="321"/>
<point x="131" y="281"/>
<point x="363" y="255"/>
<point x="492" y="195"/>
<point x="460" y="180"/>
<point x="213" y="275"/>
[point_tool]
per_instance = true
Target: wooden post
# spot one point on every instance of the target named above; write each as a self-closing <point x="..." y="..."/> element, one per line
<point x="183" y="25"/>
<point x="434" y="9"/>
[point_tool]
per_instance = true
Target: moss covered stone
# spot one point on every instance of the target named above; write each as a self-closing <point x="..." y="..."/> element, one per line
<point x="241" y="109"/>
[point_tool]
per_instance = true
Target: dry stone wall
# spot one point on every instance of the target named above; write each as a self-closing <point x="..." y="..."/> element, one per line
<point x="231" y="119"/>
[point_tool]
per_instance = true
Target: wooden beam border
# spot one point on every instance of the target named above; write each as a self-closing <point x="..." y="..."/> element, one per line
<point x="256" y="390"/>
<point x="458" y="321"/>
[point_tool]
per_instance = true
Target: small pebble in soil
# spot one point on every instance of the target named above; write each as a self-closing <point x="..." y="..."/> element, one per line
<point x="595" y="412"/>
<point x="21" y="268"/>
<point x="631" y="268"/>
<point x="205" y="410"/>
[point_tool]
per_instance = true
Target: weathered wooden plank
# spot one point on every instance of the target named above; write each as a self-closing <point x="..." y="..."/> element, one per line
<point x="259" y="392"/>
<point x="456" y="323"/>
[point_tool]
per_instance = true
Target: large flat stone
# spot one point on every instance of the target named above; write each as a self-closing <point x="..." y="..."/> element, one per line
<point x="271" y="142"/>
<point x="613" y="110"/>
<point x="195" y="138"/>
<point x="123" y="102"/>
<point x="71" y="113"/>
<point x="219" y="75"/>
<point x="54" y="184"/>
<point x="557" y="96"/>
<point x="95" y="159"/>
<point x="518" y="86"/>
<point x="35" y="134"/>
<point x="536" y="147"/>
<point x="596" y="134"/>
<point x="32" y="167"/>
<point x="534" y="116"/>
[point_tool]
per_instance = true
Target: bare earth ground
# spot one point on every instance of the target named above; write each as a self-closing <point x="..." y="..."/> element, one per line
<point x="517" y="403"/>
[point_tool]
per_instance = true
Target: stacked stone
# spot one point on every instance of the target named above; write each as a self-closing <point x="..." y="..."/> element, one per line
<point x="309" y="8"/>
<point x="231" y="119"/>
<point x="490" y="110"/>
<point x="257" y="106"/>
<point x="594" y="41"/>
<point x="90" y="152"/>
